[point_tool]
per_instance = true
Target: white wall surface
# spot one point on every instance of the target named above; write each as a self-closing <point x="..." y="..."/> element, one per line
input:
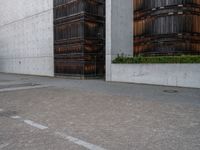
<point x="26" y="37"/>
<point x="181" y="75"/>
<point x="14" y="10"/>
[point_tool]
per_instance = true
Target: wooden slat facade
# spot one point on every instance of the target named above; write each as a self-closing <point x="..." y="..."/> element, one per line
<point x="79" y="37"/>
<point x="166" y="27"/>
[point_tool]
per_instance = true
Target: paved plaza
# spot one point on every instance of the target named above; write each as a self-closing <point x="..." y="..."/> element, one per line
<point x="42" y="113"/>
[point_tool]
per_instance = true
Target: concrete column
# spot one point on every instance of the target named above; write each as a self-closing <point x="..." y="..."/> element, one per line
<point x="119" y="31"/>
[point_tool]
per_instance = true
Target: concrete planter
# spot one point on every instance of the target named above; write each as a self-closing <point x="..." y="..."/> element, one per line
<point x="181" y="75"/>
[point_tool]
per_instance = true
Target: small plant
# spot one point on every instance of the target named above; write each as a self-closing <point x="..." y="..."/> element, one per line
<point x="190" y="59"/>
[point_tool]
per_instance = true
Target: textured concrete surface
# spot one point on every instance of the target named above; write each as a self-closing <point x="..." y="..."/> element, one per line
<point x="182" y="75"/>
<point x="112" y="116"/>
<point x="119" y="30"/>
<point x="26" y="37"/>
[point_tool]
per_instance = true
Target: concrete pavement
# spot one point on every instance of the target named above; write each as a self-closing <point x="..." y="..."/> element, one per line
<point x="58" y="114"/>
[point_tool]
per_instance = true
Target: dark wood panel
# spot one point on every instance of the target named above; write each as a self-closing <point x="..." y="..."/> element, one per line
<point x="79" y="37"/>
<point x="166" y="27"/>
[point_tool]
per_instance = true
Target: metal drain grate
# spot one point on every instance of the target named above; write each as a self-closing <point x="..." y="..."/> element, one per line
<point x="170" y="91"/>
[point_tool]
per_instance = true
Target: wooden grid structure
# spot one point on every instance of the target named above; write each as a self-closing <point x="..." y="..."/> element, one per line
<point x="166" y="27"/>
<point x="79" y="37"/>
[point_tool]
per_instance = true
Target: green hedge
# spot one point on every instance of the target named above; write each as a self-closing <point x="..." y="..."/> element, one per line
<point x="190" y="59"/>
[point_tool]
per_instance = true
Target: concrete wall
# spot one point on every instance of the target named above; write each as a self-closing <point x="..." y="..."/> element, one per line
<point x="119" y="30"/>
<point x="26" y="37"/>
<point x="182" y="75"/>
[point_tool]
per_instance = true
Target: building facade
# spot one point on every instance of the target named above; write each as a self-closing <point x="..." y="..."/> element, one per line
<point x="164" y="27"/>
<point x="82" y="37"/>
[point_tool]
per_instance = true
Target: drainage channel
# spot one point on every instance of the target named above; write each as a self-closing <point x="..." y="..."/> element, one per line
<point x="20" y="86"/>
<point x="17" y="85"/>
